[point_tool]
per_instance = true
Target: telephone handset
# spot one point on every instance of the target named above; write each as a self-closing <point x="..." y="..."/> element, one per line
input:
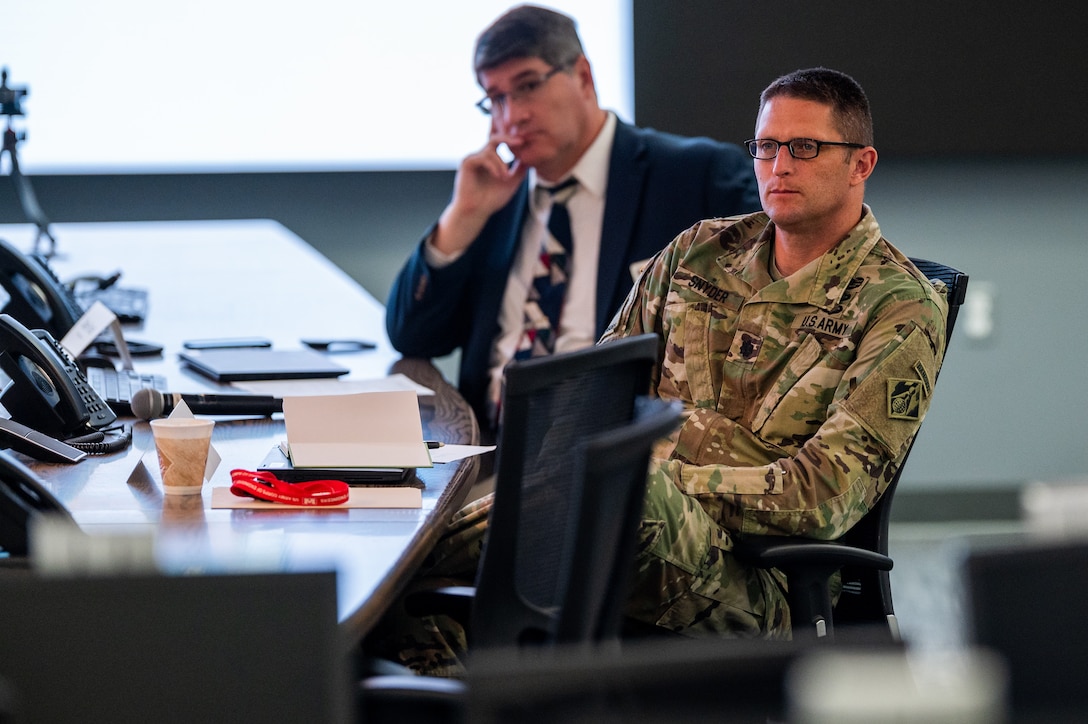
<point x="22" y="496"/>
<point x="47" y="392"/>
<point x="35" y="296"/>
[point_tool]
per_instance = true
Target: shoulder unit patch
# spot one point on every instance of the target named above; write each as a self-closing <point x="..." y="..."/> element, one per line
<point x="904" y="399"/>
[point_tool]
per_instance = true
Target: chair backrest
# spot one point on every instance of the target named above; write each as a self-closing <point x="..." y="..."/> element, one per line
<point x="611" y="482"/>
<point x="640" y="682"/>
<point x="551" y="407"/>
<point x="867" y="592"/>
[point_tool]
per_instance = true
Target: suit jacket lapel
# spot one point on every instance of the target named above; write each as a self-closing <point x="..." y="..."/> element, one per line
<point x="504" y="231"/>
<point x="626" y="177"/>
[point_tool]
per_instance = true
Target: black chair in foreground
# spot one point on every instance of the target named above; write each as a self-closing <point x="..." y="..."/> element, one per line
<point x="861" y="554"/>
<point x="1023" y="597"/>
<point x="657" y="680"/>
<point x="551" y="407"/>
<point x="571" y="472"/>
<point x="652" y="680"/>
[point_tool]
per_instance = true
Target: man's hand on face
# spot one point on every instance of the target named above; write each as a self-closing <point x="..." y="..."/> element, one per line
<point x="484" y="184"/>
<point x="485" y="179"/>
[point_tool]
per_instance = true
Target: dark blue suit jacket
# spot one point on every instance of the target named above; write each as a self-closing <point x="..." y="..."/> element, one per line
<point x="658" y="185"/>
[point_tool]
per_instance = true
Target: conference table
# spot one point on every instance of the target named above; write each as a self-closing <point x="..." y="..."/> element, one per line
<point x="211" y="279"/>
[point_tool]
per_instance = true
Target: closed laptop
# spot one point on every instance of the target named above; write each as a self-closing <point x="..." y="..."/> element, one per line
<point x="234" y="365"/>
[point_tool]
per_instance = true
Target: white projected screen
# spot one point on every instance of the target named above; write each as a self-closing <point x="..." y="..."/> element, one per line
<point x="267" y="85"/>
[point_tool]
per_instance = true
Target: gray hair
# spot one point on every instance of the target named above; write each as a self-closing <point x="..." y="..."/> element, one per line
<point x="528" y="31"/>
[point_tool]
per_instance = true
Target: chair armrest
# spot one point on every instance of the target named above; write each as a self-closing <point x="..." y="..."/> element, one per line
<point x="809" y="565"/>
<point x="452" y="601"/>
<point x="780" y="552"/>
<point x="415" y="688"/>
<point x="411" y="698"/>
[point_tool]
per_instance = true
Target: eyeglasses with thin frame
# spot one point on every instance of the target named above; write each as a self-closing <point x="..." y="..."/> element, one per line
<point x="804" y="148"/>
<point x="524" y="90"/>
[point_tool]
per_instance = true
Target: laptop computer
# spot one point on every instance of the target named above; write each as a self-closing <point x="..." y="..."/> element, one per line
<point x="280" y="465"/>
<point x="238" y="364"/>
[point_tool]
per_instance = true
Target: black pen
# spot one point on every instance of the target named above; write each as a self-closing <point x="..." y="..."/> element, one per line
<point x="432" y="444"/>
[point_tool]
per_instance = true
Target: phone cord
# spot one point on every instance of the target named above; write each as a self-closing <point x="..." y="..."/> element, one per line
<point x="105" y="445"/>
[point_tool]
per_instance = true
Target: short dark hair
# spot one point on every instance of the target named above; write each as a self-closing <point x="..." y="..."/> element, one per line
<point x="849" y="104"/>
<point x="528" y="31"/>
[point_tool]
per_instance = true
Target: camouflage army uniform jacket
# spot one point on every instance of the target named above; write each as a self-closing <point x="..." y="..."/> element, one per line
<point x="803" y="394"/>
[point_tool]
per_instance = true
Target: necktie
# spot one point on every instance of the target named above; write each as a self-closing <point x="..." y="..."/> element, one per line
<point x="545" y="300"/>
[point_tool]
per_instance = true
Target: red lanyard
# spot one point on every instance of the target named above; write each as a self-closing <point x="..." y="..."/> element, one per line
<point x="266" y="486"/>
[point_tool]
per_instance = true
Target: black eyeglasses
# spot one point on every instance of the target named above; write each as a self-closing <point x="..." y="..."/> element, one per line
<point x="521" y="92"/>
<point x="767" y="148"/>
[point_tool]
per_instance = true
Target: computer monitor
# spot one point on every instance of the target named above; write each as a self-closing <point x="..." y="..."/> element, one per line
<point x="1025" y="600"/>
<point x="151" y="648"/>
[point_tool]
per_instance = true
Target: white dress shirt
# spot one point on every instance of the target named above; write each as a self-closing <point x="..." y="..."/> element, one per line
<point x="577" y="326"/>
<point x="578" y="323"/>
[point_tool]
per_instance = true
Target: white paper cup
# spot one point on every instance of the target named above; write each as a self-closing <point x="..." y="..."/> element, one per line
<point x="182" y="445"/>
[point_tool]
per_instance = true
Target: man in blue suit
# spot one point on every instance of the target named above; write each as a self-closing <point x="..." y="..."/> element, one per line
<point x="635" y="189"/>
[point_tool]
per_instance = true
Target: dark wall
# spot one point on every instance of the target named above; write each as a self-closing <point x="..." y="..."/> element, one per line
<point x="942" y="76"/>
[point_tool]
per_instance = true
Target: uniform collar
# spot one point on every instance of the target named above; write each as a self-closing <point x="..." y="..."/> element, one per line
<point x="821" y="282"/>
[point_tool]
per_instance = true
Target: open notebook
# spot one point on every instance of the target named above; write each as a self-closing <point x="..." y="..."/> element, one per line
<point x="368" y="429"/>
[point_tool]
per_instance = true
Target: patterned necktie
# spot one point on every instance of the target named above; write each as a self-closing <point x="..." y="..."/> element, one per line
<point x="545" y="301"/>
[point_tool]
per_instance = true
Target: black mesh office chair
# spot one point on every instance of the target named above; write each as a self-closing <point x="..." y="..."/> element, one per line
<point x="861" y="554"/>
<point x="551" y="407"/>
<point x="611" y="475"/>
<point x="570" y="476"/>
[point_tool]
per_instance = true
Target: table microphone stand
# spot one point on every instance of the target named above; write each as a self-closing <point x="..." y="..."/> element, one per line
<point x="10" y="107"/>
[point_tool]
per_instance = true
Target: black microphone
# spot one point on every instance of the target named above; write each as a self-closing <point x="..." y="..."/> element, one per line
<point x="148" y="404"/>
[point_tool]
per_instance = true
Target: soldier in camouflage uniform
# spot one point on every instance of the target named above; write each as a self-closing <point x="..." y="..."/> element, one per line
<point x="803" y="394"/>
<point x="804" y="347"/>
